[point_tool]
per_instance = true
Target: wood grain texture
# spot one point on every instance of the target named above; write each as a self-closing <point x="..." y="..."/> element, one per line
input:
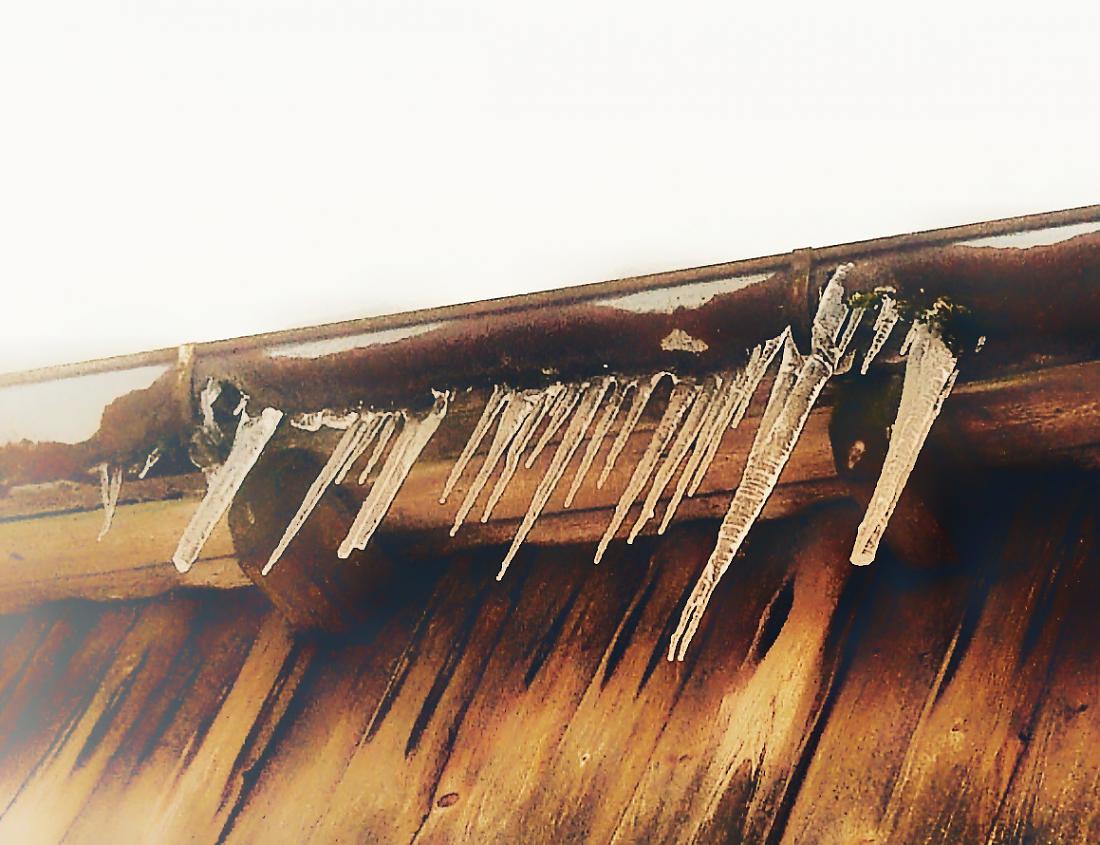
<point x="820" y="703"/>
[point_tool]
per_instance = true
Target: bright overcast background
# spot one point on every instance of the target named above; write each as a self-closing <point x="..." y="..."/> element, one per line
<point x="185" y="171"/>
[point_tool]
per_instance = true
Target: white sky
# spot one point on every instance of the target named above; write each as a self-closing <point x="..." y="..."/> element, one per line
<point x="185" y="171"/>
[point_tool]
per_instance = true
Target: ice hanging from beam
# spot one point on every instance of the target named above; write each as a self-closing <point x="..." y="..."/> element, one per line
<point x="930" y="373"/>
<point x="406" y="449"/>
<point x="793" y="395"/>
<point x="360" y="430"/>
<point x="252" y="436"/>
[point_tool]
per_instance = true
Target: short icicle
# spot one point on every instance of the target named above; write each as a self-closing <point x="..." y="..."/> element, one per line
<point x="788" y="410"/>
<point x="151" y="461"/>
<point x="885" y="321"/>
<point x="589" y="397"/>
<point x="682" y="394"/>
<point x="110" y="483"/>
<point x="930" y="372"/>
<point x="252" y="436"/>
<point x="406" y="450"/>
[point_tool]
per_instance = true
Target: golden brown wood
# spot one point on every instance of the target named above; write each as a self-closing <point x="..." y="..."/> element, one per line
<point x="820" y="704"/>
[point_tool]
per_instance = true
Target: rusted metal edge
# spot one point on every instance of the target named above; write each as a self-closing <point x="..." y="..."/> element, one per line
<point x="579" y="294"/>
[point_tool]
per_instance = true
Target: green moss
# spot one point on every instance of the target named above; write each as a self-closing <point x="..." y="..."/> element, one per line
<point x="954" y="321"/>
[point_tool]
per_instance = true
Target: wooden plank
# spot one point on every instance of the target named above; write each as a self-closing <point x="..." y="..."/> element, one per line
<point x="58" y="557"/>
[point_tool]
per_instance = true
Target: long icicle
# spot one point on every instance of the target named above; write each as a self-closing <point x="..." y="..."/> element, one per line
<point x="930" y="373"/>
<point x="252" y="436"/>
<point x="406" y="450"/>
<point x="599" y="434"/>
<point x="885" y="321"/>
<point x="336" y="465"/>
<point x="590" y="397"/>
<point x="741" y="396"/>
<point x="110" y="483"/>
<point x="558" y="415"/>
<point x="643" y="391"/>
<point x="769" y="455"/>
<point x="539" y="400"/>
<point x="493" y="407"/>
<point x="678" y="401"/>
<point x="704" y="396"/>
<point x="516" y="411"/>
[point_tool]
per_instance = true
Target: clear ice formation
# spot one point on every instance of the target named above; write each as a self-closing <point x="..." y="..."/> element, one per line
<point x="789" y="405"/>
<point x="408" y="445"/>
<point x="885" y="321"/>
<point x="252" y="436"/>
<point x="110" y="483"/>
<point x="930" y="373"/>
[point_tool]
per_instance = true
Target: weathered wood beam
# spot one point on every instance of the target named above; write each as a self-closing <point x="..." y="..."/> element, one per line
<point x="47" y="535"/>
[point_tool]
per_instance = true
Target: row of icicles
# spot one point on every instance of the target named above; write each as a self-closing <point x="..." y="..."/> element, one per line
<point x="681" y="448"/>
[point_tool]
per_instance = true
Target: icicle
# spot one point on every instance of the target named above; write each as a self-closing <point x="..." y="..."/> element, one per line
<point x="110" y="483"/>
<point x="316" y="420"/>
<point x="909" y="338"/>
<point x="539" y="399"/>
<point x="641" y="398"/>
<point x="516" y="411"/>
<point x="788" y="409"/>
<point x="150" y="462"/>
<point x="560" y="413"/>
<point x="223" y="483"/>
<point x="336" y="465"/>
<point x="599" y="433"/>
<point x="207" y="397"/>
<point x="367" y="429"/>
<point x="930" y="373"/>
<point x="854" y="319"/>
<point x="590" y="396"/>
<point x="406" y="449"/>
<point x="689" y="431"/>
<point x="492" y="407"/>
<point x="678" y="402"/>
<point x="392" y="420"/>
<point x="884" y="324"/>
<point x="740" y="393"/>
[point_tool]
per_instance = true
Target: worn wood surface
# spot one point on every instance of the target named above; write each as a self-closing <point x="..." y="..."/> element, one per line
<point x="820" y="703"/>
